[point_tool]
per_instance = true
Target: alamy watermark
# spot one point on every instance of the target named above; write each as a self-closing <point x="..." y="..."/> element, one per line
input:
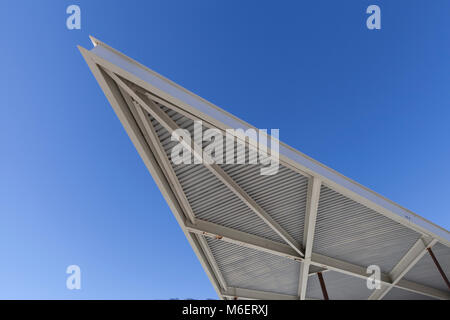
<point x="238" y="146"/>
<point x="374" y="280"/>
<point x="374" y="20"/>
<point x="74" y="20"/>
<point x="74" y="280"/>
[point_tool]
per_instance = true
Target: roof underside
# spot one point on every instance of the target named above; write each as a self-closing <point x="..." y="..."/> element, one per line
<point x="266" y="237"/>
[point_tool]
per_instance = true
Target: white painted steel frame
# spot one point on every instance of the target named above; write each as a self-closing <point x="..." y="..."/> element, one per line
<point x="104" y="60"/>
<point x="312" y="204"/>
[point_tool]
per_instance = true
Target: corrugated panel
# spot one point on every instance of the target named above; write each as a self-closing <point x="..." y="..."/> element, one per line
<point x="252" y="269"/>
<point x="352" y="232"/>
<point x="282" y="195"/>
<point x="339" y="287"/>
<point x="212" y="201"/>
<point x="425" y="271"/>
<point x="400" y="294"/>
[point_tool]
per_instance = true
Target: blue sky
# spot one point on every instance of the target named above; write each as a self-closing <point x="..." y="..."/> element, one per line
<point x="373" y="105"/>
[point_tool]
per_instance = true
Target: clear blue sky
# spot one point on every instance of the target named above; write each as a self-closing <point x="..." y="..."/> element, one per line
<point x="374" y="105"/>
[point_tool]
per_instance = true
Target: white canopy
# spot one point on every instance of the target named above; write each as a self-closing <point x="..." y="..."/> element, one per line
<point x="274" y="236"/>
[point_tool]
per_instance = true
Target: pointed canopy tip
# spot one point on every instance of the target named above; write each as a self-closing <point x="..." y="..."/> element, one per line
<point x="94" y="40"/>
<point x="82" y="50"/>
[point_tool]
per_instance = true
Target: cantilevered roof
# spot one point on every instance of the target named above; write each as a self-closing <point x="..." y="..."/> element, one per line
<point x="270" y="237"/>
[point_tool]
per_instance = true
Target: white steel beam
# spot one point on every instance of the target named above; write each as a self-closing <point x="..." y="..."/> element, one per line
<point x="417" y="251"/>
<point x="312" y="204"/>
<point x="248" y="294"/>
<point x="171" y="126"/>
<point x="240" y="238"/>
<point x="212" y="261"/>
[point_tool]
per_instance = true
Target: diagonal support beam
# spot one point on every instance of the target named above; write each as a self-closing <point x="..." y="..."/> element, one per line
<point x="438" y="266"/>
<point x="312" y="205"/>
<point x="417" y="251"/>
<point x="171" y="126"/>
<point x="323" y="286"/>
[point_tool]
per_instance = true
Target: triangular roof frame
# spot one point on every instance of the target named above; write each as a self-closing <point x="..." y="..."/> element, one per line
<point x="119" y="77"/>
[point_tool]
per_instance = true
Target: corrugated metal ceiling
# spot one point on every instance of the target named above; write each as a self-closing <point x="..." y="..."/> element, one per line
<point x="350" y="231"/>
<point x="252" y="269"/>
